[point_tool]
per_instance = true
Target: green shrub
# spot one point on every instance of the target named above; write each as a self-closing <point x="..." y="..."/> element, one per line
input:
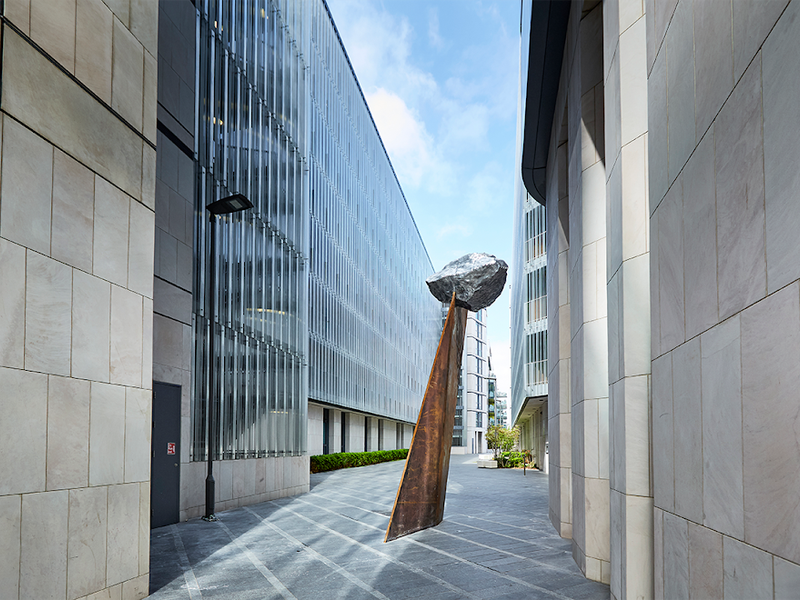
<point x="513" y="460"/>
<point x="510" y="460"/>
<point x="344" y="460"/>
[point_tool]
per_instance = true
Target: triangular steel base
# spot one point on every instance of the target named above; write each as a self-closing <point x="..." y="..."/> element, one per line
<point x="420" y="497"/>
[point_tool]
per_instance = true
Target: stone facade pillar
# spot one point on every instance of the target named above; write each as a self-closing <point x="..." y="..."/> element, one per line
<point x="587" y="275"/>
<point x="559" y="406"/>
<point x="631" y="503"/>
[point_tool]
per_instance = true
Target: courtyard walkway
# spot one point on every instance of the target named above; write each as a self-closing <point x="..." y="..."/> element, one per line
<point x="495" y="543"/>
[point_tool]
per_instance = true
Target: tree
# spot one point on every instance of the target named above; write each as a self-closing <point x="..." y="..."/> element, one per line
<point x="493" y="438"/>
<point x="501" y="439"/>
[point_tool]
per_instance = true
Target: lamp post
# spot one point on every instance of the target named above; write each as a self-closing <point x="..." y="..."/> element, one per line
<point x="224" y="206"/>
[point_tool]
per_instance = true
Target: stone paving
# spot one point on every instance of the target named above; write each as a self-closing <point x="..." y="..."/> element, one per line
<point x="495" y="542"/>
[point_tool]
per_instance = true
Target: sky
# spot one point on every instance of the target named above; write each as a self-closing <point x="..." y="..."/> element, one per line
<point x="440" y="78"/>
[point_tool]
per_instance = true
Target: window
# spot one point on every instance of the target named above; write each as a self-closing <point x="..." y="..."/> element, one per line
<point x="535" y="233"/>
<point x="536" y="358"/>
<point x="536" y="295"/>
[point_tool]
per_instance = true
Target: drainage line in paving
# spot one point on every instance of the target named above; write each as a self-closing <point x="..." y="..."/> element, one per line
<point x="511" y="537"/>
<point x="188" y="572"/>
<point x="449" y="519"/>
<point x="528" y="529"/>
<point x="387" y="557"/>
<point x="447" y="533"/>
<point x="438" y="550"/>
<point x="386" y="503"/>
<point x="268" y="575"/>
<point x="326" y="561"/>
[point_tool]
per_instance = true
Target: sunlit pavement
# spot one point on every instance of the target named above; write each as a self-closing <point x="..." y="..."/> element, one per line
<point x="495" y="542"/>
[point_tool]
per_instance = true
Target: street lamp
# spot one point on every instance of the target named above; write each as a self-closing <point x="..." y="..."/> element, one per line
<point x="224" y="206"/>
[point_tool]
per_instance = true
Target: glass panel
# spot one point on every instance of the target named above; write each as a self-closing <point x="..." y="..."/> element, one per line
<point x="242" y="150"/>
<point x="264" y="77"/>
<point x="369" y="263"/>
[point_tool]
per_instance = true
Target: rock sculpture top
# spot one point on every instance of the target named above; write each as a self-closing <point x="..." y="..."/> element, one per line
<point x="477" y="280"/>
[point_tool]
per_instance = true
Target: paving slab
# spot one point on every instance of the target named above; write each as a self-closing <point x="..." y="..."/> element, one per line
<point x="495" y="542"/>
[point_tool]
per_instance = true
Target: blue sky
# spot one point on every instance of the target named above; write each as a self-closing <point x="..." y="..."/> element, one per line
<point x="440" y="78"/>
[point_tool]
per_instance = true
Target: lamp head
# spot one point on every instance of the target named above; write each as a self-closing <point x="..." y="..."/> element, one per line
<point x="229" y="204"/>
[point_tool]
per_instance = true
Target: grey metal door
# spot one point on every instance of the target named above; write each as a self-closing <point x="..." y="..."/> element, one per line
<point x="165" y="480"/>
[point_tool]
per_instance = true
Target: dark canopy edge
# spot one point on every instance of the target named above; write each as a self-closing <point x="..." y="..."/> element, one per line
<point x="548" y="25"/>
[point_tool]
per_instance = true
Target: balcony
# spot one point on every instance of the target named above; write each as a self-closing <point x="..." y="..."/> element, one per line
<point x="536" y="309"/>
<point x="535" y="373"/>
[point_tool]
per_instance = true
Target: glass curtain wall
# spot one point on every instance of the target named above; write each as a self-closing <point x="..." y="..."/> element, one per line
<point x="529" y="304"/>
<point x="373" y="324"/>
<point x="535" y="323"/>
<point x="252" y="139"/>
<point x="529" y="274"/>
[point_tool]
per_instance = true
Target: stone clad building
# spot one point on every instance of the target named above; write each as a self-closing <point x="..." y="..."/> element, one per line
<point x="120" y="120"/>
<point x="77" y="216"/>
<point x="661" y="137"/>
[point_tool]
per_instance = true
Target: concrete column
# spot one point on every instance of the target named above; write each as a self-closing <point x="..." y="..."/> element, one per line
<point x="558" y="325"/>
<point x="631" y="502"/>
<point x="587" y="263"/>
<point x="315" y="413"/>
<point x="408" y="433"/>
<point x="335" y="431"/>
<point x="372" y="434"/>
<point x="355" y="432"/>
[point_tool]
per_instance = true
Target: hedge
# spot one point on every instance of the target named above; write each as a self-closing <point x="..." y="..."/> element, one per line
<point x="344" y="460"/>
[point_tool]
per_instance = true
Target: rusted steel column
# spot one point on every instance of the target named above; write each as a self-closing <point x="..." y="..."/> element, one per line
<point x="420" y="498"/>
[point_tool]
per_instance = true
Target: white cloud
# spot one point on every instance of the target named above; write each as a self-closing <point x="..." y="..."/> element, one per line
<point x="379" y="47"/>
<point x="404" y="135"/>
<point x="487" y="189"/>
<point x="452" y="229"/>
<point x="434" y="38"/>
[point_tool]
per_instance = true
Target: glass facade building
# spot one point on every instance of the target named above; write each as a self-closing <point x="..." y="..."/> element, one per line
<point x="373" y="323"/>
<point x="252" y="139"/>
<point x="320" y="287"/>
<point x="529" y="303"/>
<point x="530" y="363"/>
<point x="529" y="349"/>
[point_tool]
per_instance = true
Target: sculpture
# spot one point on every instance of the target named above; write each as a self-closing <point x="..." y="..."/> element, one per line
<point x="471" y="282"/>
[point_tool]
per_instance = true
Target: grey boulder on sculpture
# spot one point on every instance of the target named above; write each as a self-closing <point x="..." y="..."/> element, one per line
<point x="477" y="279"/>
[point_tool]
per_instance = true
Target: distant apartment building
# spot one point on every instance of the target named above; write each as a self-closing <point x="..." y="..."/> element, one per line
<point x="472" y="408"/>
<point x="501" y="409"/>
<point x="661" y="138"/>
<point x="491" y="394"/>
<point x="121" y="122"/>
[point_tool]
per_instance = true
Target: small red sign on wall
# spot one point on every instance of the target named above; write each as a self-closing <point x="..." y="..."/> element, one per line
<point x="170" y="447"/>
